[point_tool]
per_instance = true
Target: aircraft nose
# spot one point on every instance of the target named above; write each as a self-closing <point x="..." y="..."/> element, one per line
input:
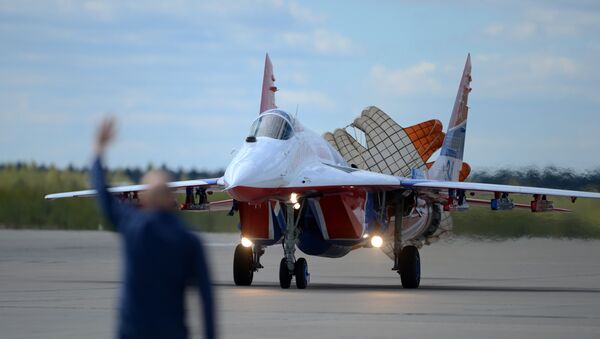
<point x="243" y="174"/>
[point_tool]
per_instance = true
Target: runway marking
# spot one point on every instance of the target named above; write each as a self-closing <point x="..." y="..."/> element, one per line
<point x="423" y="289"/>
<point x="427" y="314"/>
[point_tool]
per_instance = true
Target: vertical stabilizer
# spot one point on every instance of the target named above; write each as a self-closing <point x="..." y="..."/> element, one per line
<point x="267" y="100"/>
<point x="448" y="165"/>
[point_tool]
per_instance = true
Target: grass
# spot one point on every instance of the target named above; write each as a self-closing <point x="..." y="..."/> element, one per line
<point x="22" y="188"/>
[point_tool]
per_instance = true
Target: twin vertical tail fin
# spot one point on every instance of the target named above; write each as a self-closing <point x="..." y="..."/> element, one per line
<point x="449" y="164"/>
<point x="267" y="100"/>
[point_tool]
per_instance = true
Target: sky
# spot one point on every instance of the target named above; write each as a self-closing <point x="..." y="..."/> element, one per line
<point x="184" y="77"/>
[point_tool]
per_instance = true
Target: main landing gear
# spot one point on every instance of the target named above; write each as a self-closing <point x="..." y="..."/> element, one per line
<point x="246" y="261"/>
<point x="289" y="266"/>
<point x="410" y="267"/>
<point x="407" y="261"/>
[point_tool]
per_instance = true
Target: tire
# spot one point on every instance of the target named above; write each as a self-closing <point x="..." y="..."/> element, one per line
<point x="301" y="273"/>
<point x="242" y="266"/>
<point x="410" y="267"/>
<point x="285" y="277"/>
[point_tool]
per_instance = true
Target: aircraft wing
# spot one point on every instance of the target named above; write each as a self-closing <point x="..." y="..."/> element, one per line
<point x="176" y="185"/>
<point x="337" y="178"/>
<point x="480" y="187"/>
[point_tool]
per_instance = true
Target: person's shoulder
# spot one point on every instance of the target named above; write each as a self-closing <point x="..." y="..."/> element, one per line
<point x="195" y="239"/>
<point x="183" y="228"/>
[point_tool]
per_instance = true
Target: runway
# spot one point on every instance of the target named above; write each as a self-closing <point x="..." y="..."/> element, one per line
<point x="61" y="284"/>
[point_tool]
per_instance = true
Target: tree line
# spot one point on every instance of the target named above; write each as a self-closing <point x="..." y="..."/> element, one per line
<point x="552" y="177"/>
<point x="24" y="185"/>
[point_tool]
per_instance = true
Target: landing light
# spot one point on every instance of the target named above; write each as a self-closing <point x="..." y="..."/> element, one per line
<point x="366" y="236"/>
<point x="296" y="206"/>
<point x="294" y="198"/>
<point x="376" y="241"/>
<point x="246" y="242"/>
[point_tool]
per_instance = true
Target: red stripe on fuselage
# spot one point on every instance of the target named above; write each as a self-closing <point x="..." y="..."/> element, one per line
<point x="258" y="194"/>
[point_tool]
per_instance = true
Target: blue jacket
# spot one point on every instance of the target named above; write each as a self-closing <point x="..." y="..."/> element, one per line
<point x="161" y="257"/>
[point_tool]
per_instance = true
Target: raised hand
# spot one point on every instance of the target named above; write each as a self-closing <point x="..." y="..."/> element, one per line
<point x="104" y="135"/>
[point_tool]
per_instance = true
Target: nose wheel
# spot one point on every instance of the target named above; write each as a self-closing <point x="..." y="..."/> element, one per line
<point x="290" y="267"/>
<point x="285" y="276"/>
<point x="300" y="272"/>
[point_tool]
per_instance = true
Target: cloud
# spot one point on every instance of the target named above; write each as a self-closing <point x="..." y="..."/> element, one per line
<point x="101" y="10"/>
<point x="494" y="29"/>
<point x="552" y="65"/>
<point x="320" y="41"/>
<point x="533" y="66"/>
<point x="527" y="75"/>
<point x="524" y="30"/>
<point x="290" y="98"/>
<point x="108" y="10"/>
<point x="405" y="81"/>
<point x="546" y="21"/>
<point x="303" y="14"/>
<point x="516" y="31"/>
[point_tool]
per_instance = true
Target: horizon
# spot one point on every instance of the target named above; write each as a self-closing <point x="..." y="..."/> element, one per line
<point x="144" y="168"/>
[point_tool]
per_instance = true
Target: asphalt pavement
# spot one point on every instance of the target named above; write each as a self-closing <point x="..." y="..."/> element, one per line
<point x="64" y="284"/>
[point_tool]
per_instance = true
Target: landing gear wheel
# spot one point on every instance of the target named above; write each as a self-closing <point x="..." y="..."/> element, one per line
<point x="410" y="267"/>
<point x="285" y="277"/>
<point x="301" y="273"/>
<point x="243" y="270"/>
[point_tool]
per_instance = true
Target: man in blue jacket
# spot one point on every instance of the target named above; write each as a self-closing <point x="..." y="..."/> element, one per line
<point x="161" y="257"/>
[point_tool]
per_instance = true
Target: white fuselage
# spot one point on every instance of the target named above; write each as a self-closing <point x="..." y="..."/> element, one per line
<point x="266" y="163"/>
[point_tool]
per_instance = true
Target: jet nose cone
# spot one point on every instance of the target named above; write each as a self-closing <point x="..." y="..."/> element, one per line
<point x="243" y="174"/>
<point x="242" y="182"/>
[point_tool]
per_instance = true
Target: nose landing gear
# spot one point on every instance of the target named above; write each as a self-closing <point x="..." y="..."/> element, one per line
<point x="289" y="266"/>
<point x="300" y="272"/>
<point x="246" y="259"/>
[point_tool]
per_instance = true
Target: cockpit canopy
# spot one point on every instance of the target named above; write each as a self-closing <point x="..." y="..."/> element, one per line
<point x="274" y="124"/>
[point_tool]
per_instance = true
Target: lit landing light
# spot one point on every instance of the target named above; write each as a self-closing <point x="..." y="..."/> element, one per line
<point x="246" y="242"/>
<point x="366" y="236"/>
<point x="376" y="241"/>
<point x="294" y="200"/>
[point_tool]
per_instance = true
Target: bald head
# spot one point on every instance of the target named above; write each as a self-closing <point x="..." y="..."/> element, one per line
<point x="158" y="195"/>
<point x="156" y="177"/>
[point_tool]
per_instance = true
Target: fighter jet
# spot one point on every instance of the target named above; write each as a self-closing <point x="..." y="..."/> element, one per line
<point x="327" y="195"/>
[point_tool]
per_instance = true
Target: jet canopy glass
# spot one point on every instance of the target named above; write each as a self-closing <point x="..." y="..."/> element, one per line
<point x="272" y="124"/>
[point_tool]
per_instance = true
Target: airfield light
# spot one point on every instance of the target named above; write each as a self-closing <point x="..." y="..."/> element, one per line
<point x="296" y="206"/>
<point x="246" y="242"/>
<point x="294" y="198"/>
<point x="376" y="241"/>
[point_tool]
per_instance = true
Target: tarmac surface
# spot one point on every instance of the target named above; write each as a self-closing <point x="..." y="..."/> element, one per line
<point x="60" y="284"/>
